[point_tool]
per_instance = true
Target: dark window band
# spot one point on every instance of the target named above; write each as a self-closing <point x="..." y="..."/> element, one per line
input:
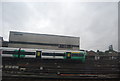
<point x="9" y="52"/>
<point x="47" y="54"/>
<point x="16" y="42"/>
<point x="16" y="52"/>
<point x="27" y="53"/>
<point x="77" y="55"/>
<point x="59" y="54"/>
<point x="53" y="54"/>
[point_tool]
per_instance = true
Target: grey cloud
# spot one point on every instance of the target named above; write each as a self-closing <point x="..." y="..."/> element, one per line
<point x="94" y="23"/>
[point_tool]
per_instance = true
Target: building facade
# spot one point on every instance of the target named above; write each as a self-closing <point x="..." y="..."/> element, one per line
<point x="42" y="41"/>
<point x="1" y="40"/>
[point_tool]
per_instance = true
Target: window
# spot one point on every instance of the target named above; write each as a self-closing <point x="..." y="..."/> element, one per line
<point x="47" y="54"/>
<point x="9" y="52"/>
<point x="27" y="53"/>
<point x="77" y="55"/>
<point x="16" y="52"/>
<point x="59" y="54"/>
<point x="53" y="54"/>
<point x="65" y="46"/>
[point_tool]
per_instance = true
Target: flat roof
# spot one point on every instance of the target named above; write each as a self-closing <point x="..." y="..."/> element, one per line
<point x="43" y="34"/>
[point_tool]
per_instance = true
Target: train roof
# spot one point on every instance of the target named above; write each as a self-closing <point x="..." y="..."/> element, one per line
<point x="8" y="48"/>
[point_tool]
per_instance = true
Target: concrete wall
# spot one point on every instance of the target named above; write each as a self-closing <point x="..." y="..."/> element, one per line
<point x="41" y="47"/>
<point x="1" y="40"/>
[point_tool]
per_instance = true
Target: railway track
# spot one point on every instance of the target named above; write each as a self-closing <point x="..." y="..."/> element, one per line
<point x="55" y="79"/>
<point x="104" y="69"/>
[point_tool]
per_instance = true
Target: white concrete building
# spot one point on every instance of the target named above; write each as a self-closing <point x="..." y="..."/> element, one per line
<point x="43" y="41"/>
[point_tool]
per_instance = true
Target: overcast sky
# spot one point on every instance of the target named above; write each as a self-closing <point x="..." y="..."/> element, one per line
<point x="96" y="23"/>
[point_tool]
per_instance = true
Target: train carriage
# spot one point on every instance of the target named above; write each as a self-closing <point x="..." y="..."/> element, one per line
<point x="43" y="53"/>
<point x="53" y="54"/>
<point x="28" y="53"/>
<point x="9" y="52"/>
<point x="75" y="55"/>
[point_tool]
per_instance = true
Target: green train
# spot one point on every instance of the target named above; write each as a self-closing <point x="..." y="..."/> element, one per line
<point x="43" y="53"/>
